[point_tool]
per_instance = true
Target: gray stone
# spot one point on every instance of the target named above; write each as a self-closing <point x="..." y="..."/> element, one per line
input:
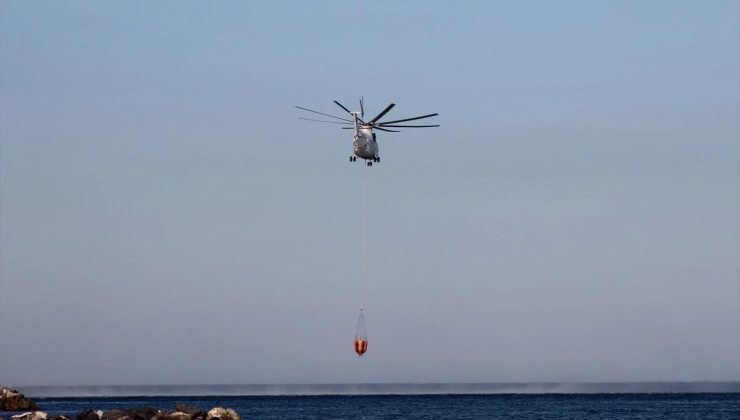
<point x="220" y="413"/>
<point x="12" y="400"/>
<point x="116" y="415"/>
<point x="178" y="415"/>
<point x="31" y="415"/>
<point x="89" y="414"/>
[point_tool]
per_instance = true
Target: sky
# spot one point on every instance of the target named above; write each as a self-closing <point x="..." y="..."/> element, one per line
<point x="166" y="218"/>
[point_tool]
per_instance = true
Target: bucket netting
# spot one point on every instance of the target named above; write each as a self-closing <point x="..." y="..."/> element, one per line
<point x="360" y="342"/>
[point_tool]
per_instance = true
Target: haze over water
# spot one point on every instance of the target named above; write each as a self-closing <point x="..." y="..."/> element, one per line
<point x="167" y="219"/>
<point x="381" y="389"/>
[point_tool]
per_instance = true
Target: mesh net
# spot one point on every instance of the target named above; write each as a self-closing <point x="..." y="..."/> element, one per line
<point x="360" y="343"/>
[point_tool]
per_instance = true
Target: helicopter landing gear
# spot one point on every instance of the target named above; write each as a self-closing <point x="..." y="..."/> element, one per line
<point x="369" y="163"/>
<point x="353" y="158"/>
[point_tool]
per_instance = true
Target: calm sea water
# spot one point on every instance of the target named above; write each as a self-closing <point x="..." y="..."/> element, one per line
<point x="459" y="406"/>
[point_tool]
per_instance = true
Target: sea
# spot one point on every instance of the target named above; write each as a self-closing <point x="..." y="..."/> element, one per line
<point x="414" y="401"/>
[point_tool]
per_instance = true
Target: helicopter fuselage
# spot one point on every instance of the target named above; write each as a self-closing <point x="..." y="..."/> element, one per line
<point x="364" y="144"/>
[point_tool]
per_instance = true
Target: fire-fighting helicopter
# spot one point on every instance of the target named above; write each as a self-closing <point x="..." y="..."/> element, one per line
<point x="364" y="144"/>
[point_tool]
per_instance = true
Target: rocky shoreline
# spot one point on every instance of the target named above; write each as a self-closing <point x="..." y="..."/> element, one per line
<point x="12" y="400"/>
<point x="181" y="412"/>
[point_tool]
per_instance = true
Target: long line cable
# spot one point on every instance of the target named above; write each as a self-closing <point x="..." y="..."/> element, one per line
<point x="363" y="241"/>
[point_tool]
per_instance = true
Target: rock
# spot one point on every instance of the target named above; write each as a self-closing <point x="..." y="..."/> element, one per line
<point x="89" y="414"/>
<point x="58" y="418"/>
<point x="32" y="415"/>
<point x="115" y="415"/>
<point x="177" y="415"/>
<point x="144" y="413"/>
<point x="220" y="413"/>
<point x="192" y="412"/>
<point x="187" y="408"/>
<point x="182" y="412"/>
<point x="12" y="400"/>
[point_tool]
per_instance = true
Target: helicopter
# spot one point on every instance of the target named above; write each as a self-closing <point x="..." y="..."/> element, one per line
<point x="364" y="142"/>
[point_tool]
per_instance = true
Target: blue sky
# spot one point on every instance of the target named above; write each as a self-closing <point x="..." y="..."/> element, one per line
<point x="166" y="218"/>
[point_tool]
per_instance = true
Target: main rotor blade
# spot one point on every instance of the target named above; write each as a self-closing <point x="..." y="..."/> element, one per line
<point x="405" y="126"/>
<point x="323" y="121"/>
<point x="321" y="113"/>
<point x="343" y="107"/>
<point x="374" y="128"/>
<point x="385" y="111"/>
<point x="348" y="111"/>
<point x="408" y="119"/>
